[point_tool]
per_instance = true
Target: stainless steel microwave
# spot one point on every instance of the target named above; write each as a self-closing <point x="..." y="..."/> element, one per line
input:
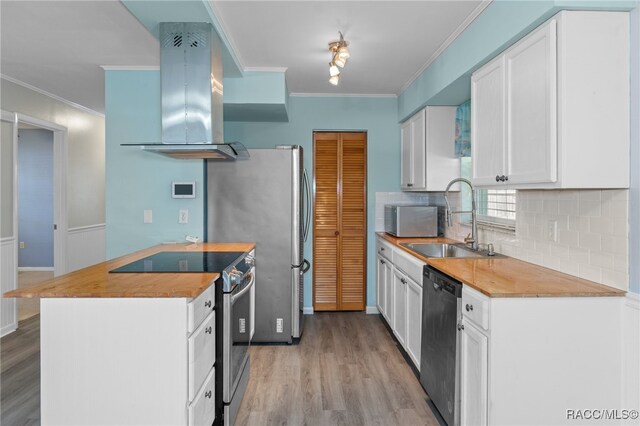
<point x="404" y="220"/>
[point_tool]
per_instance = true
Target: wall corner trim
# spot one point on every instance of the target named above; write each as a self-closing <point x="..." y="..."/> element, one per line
<point x="372" y="310"/>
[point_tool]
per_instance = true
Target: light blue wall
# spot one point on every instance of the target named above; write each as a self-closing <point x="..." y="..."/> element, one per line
<point x="138" y="181"/>
<point x="377" y="116"/>
<point x="35" y="195"/>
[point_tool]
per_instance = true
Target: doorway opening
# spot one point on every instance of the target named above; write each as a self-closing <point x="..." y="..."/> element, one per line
<point x="30" y="216"/>
<point x="35" y="212"/>
<point x="339" y="221"/>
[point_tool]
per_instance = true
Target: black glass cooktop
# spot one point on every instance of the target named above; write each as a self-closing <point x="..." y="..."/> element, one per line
<point x="179" y="261"/>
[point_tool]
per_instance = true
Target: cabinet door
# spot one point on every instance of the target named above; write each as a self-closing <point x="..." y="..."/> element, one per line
<point x="406" y="156"/>
<point x="399" y="306"/>
<point x="487" y="123"/>
<point x="473" y="375"/>
<point x="414" y="321"/>
<point x="418" y="151"/>
<point x="531" y="108"/>
<point x="388" y="296"/>
<point x="380" y="284"/>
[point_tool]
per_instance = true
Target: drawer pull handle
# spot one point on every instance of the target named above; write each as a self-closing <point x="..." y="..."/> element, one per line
<point x="460" y="327"/>
<point x="403" y="281"/>
<point x="469" y="307"/>
<point x="381" y="248"/>
<point x="497" y="178"/>
<point x="208" y="394"/>
<point x="208" y="330"/>
<point x="207" y="304"/>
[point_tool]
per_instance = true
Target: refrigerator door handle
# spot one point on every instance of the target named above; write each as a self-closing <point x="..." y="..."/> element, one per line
<point x="307" y="191"/>
<point x="306" y="266"/>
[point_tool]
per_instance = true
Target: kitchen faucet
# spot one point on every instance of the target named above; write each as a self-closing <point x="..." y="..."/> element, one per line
<point x="473" y="239"/>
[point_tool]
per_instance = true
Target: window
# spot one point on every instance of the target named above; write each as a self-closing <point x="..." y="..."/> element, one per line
<point x="496" y="207"/>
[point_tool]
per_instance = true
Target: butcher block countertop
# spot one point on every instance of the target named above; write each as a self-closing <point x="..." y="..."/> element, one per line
<point x="96" y="281"/>
<point x="507" y="277"/>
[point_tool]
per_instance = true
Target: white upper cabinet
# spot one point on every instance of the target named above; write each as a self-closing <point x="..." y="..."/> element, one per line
<point x="428" y="150"/>
<point x="488" y="126"/>
<point x="552" y="111"/>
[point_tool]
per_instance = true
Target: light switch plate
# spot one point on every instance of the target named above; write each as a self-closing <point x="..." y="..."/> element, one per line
<point x="148" y="216"/>
<point x="183" y="216"/>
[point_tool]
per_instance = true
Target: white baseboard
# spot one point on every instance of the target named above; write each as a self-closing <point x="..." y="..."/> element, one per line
<point x="7" y="329"/>
<point x="631" y="352"/>
<point x="35" y="269"/>
<point x="307" y="310"/>
<point x="372" y="310"/>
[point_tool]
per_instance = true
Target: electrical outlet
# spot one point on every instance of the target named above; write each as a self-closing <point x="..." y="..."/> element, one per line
<point x="552" y="231"/>
<point x="278" y="325"/>
<point x="21" y="245"/>
<point x="148" y="216"/>
<point x="242" y="328"/>
<point x="183" y="216"/>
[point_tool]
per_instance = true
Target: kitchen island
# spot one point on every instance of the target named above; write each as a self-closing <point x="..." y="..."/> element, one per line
<point x="131" y="348"/>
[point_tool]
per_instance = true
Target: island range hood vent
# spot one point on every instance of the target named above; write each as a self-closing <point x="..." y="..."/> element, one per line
<point x="191" y="89"/>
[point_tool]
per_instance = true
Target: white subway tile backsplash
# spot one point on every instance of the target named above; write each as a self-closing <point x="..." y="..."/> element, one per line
<point x="592" y="230"/>
<point x="590" y="241"/>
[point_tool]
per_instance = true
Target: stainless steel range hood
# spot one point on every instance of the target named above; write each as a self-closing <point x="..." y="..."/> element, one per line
<point x="192" y="89"/>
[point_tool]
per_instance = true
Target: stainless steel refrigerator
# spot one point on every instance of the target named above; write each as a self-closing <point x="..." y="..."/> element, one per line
<point x="266" y="199"/>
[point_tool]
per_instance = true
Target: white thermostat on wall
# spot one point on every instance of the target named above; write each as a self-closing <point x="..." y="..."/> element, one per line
<point x="183" y="190"/>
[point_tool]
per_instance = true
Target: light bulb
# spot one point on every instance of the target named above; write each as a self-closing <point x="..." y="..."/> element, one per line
<point x="334" y="80"/>
<point x="333" y="70"/>
<point x="339" y="61"/>
<point x="343" y="53"/>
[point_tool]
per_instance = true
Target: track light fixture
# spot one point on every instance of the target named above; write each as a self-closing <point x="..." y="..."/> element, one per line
<point x="339" y="55"/>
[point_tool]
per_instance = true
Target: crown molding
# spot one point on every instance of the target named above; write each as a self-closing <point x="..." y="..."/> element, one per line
<point x="51" y="95"/>
<point x="130" y="67"/>
<point x="343" y="95"/>
<point x="454" y="35"/>
<point x="226" y="34"/>
<point x="266" y="69"/>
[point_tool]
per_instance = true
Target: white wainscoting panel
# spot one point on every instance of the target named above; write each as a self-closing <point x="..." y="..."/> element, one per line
<point x="8" y="282"/>
<point x="631" y="352"/>
<point x="85" y="246"/>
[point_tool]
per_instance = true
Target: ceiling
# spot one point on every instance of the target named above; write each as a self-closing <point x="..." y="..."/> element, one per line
<point x="59" y="46"/>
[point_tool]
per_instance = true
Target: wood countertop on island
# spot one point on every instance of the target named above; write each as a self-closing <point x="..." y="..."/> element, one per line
<point x="505" y="276"/>
<point x="96" y="281"/>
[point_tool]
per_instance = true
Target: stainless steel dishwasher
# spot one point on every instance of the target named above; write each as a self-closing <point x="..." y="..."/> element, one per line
<point x="439" y="367"/>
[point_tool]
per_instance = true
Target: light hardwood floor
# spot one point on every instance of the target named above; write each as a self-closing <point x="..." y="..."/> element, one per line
<point x="347" y="370"/>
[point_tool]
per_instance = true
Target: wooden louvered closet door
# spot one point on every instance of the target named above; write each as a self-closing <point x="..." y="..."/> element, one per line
<point x="339" y="221"/>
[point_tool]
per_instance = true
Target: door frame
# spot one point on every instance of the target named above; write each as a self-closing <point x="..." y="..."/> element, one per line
<point x="366" y="208"/>
<point x="60" y="142"/>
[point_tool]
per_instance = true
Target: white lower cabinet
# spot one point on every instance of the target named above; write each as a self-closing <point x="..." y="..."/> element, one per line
<point x="399" y="295"/>
<point x="381" y="285"/>
<point x="474" y="346"/>
<point x="528" y="360"/>
<point x="128" y="361"/>
<point x="399" y="306"/>
<point x="414" y="321"/>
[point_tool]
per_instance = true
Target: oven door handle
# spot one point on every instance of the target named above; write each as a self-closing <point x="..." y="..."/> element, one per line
<point x="246" y="289"/>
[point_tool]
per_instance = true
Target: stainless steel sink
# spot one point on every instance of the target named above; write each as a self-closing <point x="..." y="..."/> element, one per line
<point x="445" y="250"/>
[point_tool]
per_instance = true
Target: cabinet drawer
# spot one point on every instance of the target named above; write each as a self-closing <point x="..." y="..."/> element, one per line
<point x="200" y="307"/>
<point x="384" y="249"/>
<point x="202" y="353"/>
<point x="409" y="265"/>
<point x="475" y="307"/>
<point x="202" y="411"/>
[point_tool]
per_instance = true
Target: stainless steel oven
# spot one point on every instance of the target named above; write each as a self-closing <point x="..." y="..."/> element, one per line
<point x="238" y="323"/>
